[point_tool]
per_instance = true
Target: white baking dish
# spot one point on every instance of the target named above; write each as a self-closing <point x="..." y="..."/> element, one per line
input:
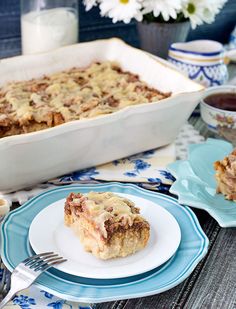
<point x="35" y="157"/>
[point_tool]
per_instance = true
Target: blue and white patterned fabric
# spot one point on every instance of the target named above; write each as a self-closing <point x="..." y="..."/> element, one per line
<point x="34" y="298"/>
<point x="148" y="167"/>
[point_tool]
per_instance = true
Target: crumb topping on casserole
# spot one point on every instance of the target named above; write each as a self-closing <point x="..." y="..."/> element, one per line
<point x="106" y="210"/>
<point x="101" y="88"/>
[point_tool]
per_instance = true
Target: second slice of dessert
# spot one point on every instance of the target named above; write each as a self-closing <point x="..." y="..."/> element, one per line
<point x="226" y="176"/>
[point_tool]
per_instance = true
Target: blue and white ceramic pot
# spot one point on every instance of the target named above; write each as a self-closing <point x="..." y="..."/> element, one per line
<point x="201" y="60"/>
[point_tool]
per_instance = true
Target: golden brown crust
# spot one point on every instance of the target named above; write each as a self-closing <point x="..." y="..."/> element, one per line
<point x="102" y="88"/>
<point x="121" y="238"/>
<point x="226" y="176"/>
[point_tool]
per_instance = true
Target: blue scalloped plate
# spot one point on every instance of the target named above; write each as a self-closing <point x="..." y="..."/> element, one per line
<point x="195" y="183"/>
<point x="193" y="247"/>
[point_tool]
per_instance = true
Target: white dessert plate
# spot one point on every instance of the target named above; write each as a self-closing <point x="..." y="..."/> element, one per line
<point x="48" y="233"/>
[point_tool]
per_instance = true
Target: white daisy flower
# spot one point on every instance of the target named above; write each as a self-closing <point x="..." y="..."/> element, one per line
<point x="197" y="11"/>
<point x="214" y="5"/>
<point x="194" y="10"/>
<point x="121" y="10"/>
<point x="202" y="11"/>
<point x="89" y="4"/>
<point x="167" y="8"/>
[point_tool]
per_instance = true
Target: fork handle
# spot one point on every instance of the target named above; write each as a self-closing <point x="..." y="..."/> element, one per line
<point x="7" y="298"/>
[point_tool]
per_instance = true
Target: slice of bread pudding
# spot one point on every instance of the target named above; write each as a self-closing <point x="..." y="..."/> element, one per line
<point x="226" y="176"/>
<point x="107" y="225"/>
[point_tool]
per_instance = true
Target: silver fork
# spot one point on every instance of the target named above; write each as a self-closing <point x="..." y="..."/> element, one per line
<point x="28" y="271"/>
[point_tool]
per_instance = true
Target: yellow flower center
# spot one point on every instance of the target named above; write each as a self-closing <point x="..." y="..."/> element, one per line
<point x="191" y="8"/>
<point x="124" y="1"/>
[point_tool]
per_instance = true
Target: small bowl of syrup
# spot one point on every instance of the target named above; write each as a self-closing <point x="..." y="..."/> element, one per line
<point x="218" y="109"/>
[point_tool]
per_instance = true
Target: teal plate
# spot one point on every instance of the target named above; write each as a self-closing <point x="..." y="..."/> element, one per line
<point x="193" y="247"/>
<point x="195" y="183"/>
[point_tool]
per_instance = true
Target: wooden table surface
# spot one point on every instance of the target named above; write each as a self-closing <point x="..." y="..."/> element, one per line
<point x="213" y="282"/>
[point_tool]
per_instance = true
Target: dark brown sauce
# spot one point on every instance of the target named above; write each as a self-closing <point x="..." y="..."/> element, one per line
<point x="225" y="101"/>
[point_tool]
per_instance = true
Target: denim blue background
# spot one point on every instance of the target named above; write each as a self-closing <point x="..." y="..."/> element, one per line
<point x="92" y="26"/>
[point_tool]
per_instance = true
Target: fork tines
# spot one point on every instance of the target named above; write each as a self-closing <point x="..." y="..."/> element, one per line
<point x="43" y="261"/>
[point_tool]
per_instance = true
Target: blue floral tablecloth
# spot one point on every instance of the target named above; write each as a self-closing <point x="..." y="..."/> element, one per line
<point x="35" y="298"/>
<point x="146" y="168"/>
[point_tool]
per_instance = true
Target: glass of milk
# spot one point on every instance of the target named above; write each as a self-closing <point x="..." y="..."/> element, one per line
<point x="48" y="24"/>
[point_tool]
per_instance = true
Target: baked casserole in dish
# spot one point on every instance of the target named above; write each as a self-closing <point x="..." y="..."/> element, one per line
<point x="86" y="104"/>
<point x="78" y="93"/>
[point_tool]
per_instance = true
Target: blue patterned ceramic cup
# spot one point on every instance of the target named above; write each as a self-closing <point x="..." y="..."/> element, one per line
<point x="201" y="60"/>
